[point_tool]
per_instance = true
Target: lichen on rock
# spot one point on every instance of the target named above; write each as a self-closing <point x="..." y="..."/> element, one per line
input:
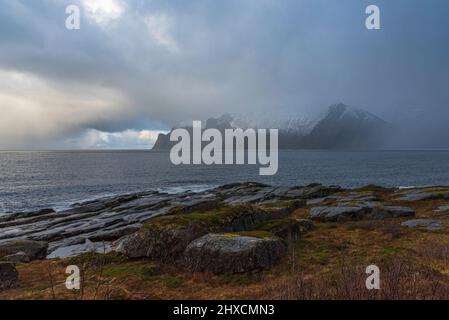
<point x="234" y="253"/>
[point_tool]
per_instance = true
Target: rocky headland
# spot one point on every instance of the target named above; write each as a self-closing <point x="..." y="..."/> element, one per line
<point x="239" y="228"/>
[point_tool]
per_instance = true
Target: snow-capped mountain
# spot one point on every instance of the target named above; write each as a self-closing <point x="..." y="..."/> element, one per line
<point x="285" y="122"/>
<point x="340" y="127"/>
<point x="345" y="127"/>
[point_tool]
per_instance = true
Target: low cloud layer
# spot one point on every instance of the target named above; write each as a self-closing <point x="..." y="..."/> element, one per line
<point x="136" y="68"/>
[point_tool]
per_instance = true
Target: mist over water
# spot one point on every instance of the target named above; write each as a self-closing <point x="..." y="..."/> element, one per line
<point x="33" y="180"/>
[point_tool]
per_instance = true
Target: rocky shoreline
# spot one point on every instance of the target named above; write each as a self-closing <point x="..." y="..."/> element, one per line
<point x="106" y="220"/>
<point x="241" y="227"/>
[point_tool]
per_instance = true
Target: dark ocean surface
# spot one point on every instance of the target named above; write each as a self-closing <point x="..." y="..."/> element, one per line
<point x="41" y="179"/>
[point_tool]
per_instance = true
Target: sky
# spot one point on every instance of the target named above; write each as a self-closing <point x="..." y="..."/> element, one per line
<point x="138" y="67"/>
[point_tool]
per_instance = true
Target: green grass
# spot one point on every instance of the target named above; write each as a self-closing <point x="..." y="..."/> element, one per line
<point x="124" y="269"/>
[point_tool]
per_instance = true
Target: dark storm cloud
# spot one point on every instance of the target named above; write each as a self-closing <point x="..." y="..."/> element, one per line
<point x="150" y="64"/>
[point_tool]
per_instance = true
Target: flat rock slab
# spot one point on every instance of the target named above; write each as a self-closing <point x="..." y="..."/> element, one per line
<point x="233" y="253"/>
<point x="427" y="224"/>
<point x="395" y="211"/>
<point x="442" y="209"/>
<point x="109" y="219"/>
<point x="333" y="214"/>
<point x="9" y="278"/>
<point x="79" y="248"/>
<point x="424" y="194"/>
<point x="364" y="211"/>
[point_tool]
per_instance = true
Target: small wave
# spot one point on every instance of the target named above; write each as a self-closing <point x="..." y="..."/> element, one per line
<point x="65" y="205"/>
<point x="68" y="204"/>
<point x="185" y="188"/>
<point x="417" y="186"/>
<point x="406" y="187"/>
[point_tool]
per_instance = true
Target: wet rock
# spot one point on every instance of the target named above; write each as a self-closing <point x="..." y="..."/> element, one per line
<point x="92" y="207"/>
<point x="24" y="215"/>
<point x="235" y="185"/>
<point x="424" y="194"/>
<point x="65" y="251"/>
<point x="114" y="234"/>
<point x="427" y="224"/>
<point x="34" y="250"/>
<point x="234" y="253"/>
<point x="9" y="277"/>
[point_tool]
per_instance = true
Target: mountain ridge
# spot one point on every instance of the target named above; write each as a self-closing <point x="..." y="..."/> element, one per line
<point x="341" y="127"/>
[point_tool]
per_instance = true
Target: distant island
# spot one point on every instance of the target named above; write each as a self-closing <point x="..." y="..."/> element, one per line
<point x="341" y="127"/>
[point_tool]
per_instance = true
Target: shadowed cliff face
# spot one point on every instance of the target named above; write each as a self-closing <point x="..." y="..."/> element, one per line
<point x="342" y="127"/>
<point x="345" y="127"/>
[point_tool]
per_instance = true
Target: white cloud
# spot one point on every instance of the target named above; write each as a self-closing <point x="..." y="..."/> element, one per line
<point x="160" y="27"/>
<point x="103" y="11"/>
<point x="34" y="109"/>
<point x="128" y="139"/>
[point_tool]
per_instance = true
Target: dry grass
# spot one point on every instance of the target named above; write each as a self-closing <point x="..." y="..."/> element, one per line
<point x="400" y="280"/>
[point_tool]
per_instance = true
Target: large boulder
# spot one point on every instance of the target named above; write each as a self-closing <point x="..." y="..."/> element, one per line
<point x="166" y="237"/>
<point x="27" y="249"/>
<point x="234" y="252"/>
<point x="9" y="278"/>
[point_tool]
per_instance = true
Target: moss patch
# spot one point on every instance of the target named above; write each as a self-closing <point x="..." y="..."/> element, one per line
<point x="254" y="234"/>
<point x="277" y="225"/>
<point x="212" y="218"/>
<point x="97" y="259"/>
